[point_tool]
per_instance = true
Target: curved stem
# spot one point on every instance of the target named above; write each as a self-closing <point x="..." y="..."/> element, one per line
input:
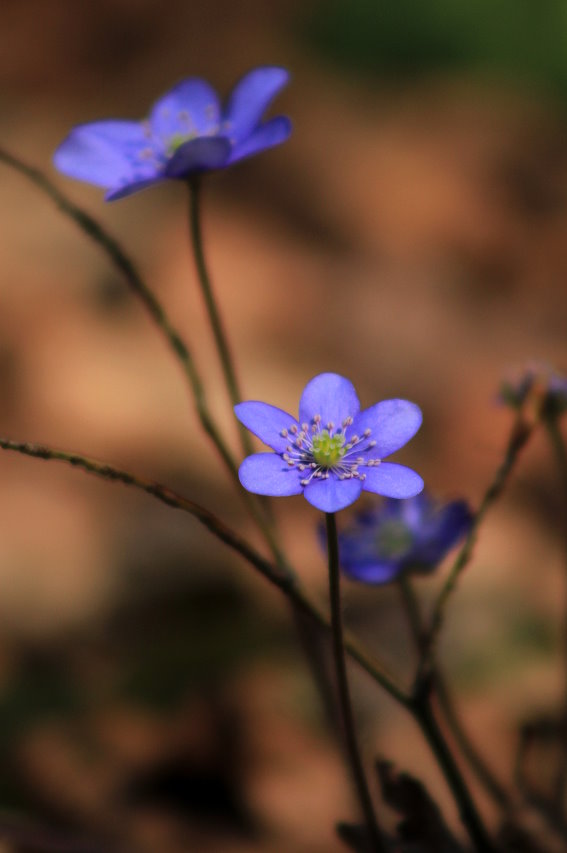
<point x="424" y="716"/>
<point x="521" y="432"/>
<point x="443" y="696"/>
<point x="219" y="333"/>
<point x="374" y="834"/>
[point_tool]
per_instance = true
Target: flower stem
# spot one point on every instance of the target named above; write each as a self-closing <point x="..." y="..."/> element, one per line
<point x="424" y="716"/>
<point x="374" y="833"/>
<point x="519" y="436"/>
<point x="443" y="696"/>
<point x="219" y="334"/>
<point x="551" y="423"/>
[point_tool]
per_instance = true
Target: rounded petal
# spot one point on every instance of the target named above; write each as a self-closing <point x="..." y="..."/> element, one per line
<point x="271" y="133"/>
<point x="105" y="153"/>
<point x="332" y="494"/>
<point x="198" y="155"/>
<point x="392" y="424"/>
<point x="392" y="480"/>
<point x="250" y="98"/>
<point x="331" y="396"/>
<point x="191" y="108"/>
<point x="373" y="572"/>
<point x="268" y="474"/>
<point x="267" y="422"/>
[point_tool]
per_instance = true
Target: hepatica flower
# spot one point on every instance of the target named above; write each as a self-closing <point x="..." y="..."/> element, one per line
<point x="188" y="131"/>
<point x="398" y="536"/>
<point x="546" y="387"/>
<point x="333" y="451"/>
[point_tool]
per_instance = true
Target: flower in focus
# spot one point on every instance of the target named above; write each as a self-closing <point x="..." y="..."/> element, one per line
<point x="399" y="536"/>
<point x="540" y="384"/>
<point x="333" y="451"/>
<point x="187" y="132"/>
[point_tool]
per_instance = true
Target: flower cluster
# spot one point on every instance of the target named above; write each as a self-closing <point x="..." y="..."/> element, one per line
<point x="333" y="451"/>
<point x="188" y="131"/>
<point x="402" y="536"/>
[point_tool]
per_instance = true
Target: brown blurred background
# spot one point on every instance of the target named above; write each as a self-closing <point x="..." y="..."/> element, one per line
<point x="412" y="236"/>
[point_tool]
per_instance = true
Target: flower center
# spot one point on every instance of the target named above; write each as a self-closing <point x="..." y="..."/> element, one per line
<point x="393" y="539"/>
<point x="177" y="140"/>
<point x="328" y="449"/>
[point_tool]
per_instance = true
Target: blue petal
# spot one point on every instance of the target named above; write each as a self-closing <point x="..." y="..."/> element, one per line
<point x="332" y="494"/>
<point x="270" y="133"/>
<point x="268" y="474"/>
<point x="105" y="153"/>
<point x="392" y="422"/>
<point x="198" y="155"/>
<point x="191" y="108"/>
<point x="267" y="422"/>
<point x="392" y="480"/>
<point x="131" y="186"/>
<point x="375" y="573"/>
<point x="250" y="98"/>
<point x="331" y="396"/>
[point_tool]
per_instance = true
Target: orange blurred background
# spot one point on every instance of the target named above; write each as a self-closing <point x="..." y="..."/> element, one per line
<point x="412" y="236"/>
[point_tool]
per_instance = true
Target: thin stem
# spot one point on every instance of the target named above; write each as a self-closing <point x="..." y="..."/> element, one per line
<point x="424" y="716"/>
<point x="558" y="447"/>
<point x="520" y="434"/>
<point x="215" y="320"/>
<point x="374" y="833"/>
<point x="443" y="696"/>
<point x="290" y="587"/>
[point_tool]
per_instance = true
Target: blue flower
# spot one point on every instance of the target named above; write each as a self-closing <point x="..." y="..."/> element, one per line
<point x="333" y="451"/>
<point x="398" y="536"/>
<point x="188" y="131"/>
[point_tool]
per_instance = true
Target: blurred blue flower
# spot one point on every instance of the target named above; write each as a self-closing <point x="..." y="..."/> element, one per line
<point x="398" y="536"/>
<point x="334" y="450"/>
<point x="187" y="132"/>
<point x="540" y="382"/>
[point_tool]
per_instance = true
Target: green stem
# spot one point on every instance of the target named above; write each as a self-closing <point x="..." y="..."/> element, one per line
<point x="520" y="434"/>
<point x="374" y="833"/>
<point x="219" y="334"/>
<point x="424" y="716"/>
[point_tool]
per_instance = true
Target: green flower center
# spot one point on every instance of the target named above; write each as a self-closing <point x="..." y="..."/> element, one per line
<point x="328" y="449"/>
<point x="177" y="140"/>
<point x="393" y="539"/>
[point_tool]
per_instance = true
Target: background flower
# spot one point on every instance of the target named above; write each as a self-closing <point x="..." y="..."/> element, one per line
<point x="398" y="536"/>
<point x="188" y="131"/>
<point x="334" y="451"/>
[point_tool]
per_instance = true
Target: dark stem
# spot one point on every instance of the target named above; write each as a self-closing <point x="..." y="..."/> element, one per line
<point x="424" y="716"/>
<point x="219" y="334"/>
<point x="374" y="833"/>
<point x="558" y="447"/>
<point x="443" y="696"/>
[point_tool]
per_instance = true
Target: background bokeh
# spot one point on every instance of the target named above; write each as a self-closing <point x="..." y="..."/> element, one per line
<point x="412" y="236"/>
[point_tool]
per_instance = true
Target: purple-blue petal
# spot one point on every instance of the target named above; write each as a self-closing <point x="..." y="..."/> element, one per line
<point x="268" y="474"/>
<point x="105" y="153"/>
<point x="373" y="572"/>
<point x="271" y="133"/>
<point x="392" y="424"/>
<point x="250" y="98"/>
<point x="191" y="108"/>
<point x="267" y="422"/>
<point x="392" y="480"/>
<point x="131" y="186"/>
<point x="332" y="494"/>
<point x="331" y="396"/>
<point x="198" y="155"/>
